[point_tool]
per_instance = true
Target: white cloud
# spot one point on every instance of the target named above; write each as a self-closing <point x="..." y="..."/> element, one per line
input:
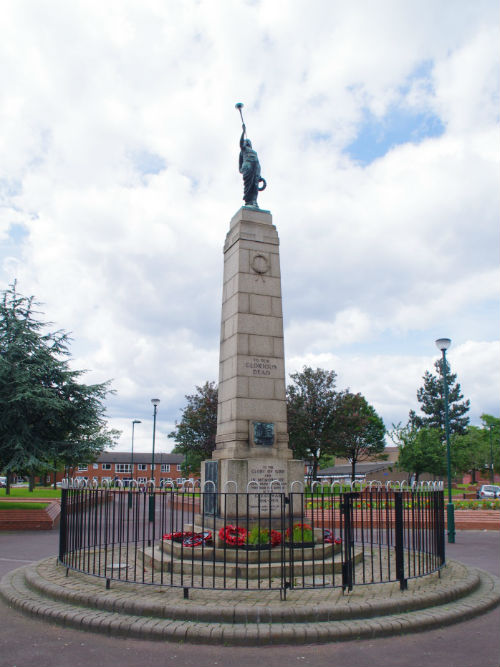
<point x="384" y="256"/>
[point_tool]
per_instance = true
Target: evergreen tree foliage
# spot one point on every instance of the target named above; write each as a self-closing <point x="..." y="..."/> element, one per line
<point x="47" y="416"/>
<point x="312" y="407"/>
<point x="431" y="399"/>
<point x="195" y="434"/>
<point x="359" y="433"/>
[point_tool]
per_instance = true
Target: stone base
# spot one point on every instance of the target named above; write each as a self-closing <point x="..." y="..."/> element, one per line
<point x="263" y="479"/>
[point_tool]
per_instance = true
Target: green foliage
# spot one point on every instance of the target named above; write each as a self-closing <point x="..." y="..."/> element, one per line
<point x="470" y="452"/>
<point x="420" y="450"/>
<point x="312" y="407"/>
<point x="195" y="434"/>
<point x="258" y="536"/>
<point x="360" y="432"/>
<point x="478" y="448"/>
<point x="47" y="416"/>
<point x="301" y="532"/>
<point x="431" y="399"/>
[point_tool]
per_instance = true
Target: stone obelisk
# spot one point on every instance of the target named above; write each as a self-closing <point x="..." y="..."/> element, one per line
<point x="252" y="439"/>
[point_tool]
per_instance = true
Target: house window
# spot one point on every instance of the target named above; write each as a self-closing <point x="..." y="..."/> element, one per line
<point x="106" y="466"/>
<point x="123" y="467"/>
<point x="141" y="480"/>
<point x="178" y="467"/>
<point x="142" y="466"/>
<point x="82" y="468"/>
<point x="95" y="466"/>
<point x="165" y="467"/>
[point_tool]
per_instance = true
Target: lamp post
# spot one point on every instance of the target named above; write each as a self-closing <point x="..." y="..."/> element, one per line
<point x="443" y="344"/>
<point x="156" y="403"/>
<point x="492" y="472"/>
<point x="134" y="422"/>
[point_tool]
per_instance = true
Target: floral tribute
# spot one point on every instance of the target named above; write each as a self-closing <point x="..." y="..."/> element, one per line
<point x="235" y="536"/>
<point x="301" y="532"/>
<point x="329" y="538"/>
<point x="275" y="538"/>
<point x="188" y="538"/>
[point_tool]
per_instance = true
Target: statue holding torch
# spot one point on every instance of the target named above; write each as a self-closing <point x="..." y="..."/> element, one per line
<point x="249" y="167"/>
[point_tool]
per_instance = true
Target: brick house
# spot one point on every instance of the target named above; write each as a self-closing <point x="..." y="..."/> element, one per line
<point x="117" y="465"/>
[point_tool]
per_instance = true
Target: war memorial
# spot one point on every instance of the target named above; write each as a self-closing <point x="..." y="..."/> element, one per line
<point x="249" y="555"/>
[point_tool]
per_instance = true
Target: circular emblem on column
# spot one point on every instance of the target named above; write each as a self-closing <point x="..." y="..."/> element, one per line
<point x="260" y="264"/>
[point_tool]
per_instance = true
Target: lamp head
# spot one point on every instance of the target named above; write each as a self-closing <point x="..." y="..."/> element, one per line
<point x="443" y="343"/>
<point x="136" y="421"/>
<point x="238" y="105"/>
<point x="155" y="401"/>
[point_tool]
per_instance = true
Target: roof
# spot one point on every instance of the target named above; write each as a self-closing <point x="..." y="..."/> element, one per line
<point x="361" y="469"/>
<point x="392" y="454"/>
<point x="139" y="457"/>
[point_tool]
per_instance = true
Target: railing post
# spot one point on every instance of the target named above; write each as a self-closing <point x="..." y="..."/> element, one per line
<point x="400" y="562"/>
<point x="62" y="524"/>
<point x="438" y="497"/>
<point x="347" y="540"/>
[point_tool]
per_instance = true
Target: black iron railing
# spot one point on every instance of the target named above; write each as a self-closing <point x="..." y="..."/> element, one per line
<point x="325" y="538"/>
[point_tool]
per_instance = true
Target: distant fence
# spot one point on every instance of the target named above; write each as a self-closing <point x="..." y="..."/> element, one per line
<point x="328" y="537"/>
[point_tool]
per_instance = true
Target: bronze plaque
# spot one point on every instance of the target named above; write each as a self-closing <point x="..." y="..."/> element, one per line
<point x="263" y="433"/>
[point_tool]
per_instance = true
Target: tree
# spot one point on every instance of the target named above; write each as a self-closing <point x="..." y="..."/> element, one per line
<point x="470" y="452"/>
<point x="420" y="450"/>
<point x="431" y="399"/>
<point x="492" y="425"/>
<point x="47" y="416"/>
<point x="359" y="433"/>
<point x="475" y="450"/>
<point x="312" y="404"/>
<point x="195" y="434"/>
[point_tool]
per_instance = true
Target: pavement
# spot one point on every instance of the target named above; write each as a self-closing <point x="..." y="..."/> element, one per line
<point x="26" y="641"/>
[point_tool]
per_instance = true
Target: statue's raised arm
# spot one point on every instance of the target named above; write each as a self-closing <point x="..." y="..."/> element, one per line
<point x="249" y="166"/>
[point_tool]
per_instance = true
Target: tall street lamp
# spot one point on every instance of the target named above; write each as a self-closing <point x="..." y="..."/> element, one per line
<point x="492" y="472"/>
<point x="134" y="422"/>
<point x="156" y="403"/>
<point x="443" y="344"/>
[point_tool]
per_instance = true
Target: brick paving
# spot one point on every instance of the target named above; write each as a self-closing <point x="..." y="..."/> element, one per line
<point x="246" y="617"/>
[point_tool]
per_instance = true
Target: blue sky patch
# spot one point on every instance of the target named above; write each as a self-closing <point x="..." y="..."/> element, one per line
<point x="148" y="163"/>
<point x="377" y="136"/>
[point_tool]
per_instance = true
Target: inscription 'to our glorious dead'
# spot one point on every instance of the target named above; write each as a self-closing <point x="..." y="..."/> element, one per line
<point x="261" y="366"/>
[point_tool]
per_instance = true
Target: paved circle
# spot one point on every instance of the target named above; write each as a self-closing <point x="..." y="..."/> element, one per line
<point x="249" y="617"/>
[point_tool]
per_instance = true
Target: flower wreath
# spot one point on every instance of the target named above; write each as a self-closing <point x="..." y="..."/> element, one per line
<point x="188" y="538"/>
<point x="235" y="536"/>
<point x="328" y="537"/>
<point x="274" y="538"/>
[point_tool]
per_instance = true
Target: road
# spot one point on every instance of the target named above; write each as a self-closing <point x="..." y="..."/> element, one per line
<point x="25" y="642"/>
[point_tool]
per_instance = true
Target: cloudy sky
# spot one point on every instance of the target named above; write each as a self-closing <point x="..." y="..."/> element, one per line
<point x="377" y="128"/>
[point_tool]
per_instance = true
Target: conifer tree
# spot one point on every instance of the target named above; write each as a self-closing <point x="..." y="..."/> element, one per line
<point x="48" y="417"/>
<point x="431" y="399"/>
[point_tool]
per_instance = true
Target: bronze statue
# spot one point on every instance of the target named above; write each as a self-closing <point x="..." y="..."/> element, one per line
<point x="249" y="167"/>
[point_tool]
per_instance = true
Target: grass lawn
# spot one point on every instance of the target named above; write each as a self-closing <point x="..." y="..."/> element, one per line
<point x="8" y="505"/>
<point x="39" y="492"/>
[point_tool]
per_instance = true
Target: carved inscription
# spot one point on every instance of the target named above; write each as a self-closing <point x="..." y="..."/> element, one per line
<point x="266" y="367"/>
<point x="263" y="473"/>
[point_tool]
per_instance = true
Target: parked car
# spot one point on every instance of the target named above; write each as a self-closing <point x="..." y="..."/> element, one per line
<point x="489" y="491"/>
<point x="3" y="482"/>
